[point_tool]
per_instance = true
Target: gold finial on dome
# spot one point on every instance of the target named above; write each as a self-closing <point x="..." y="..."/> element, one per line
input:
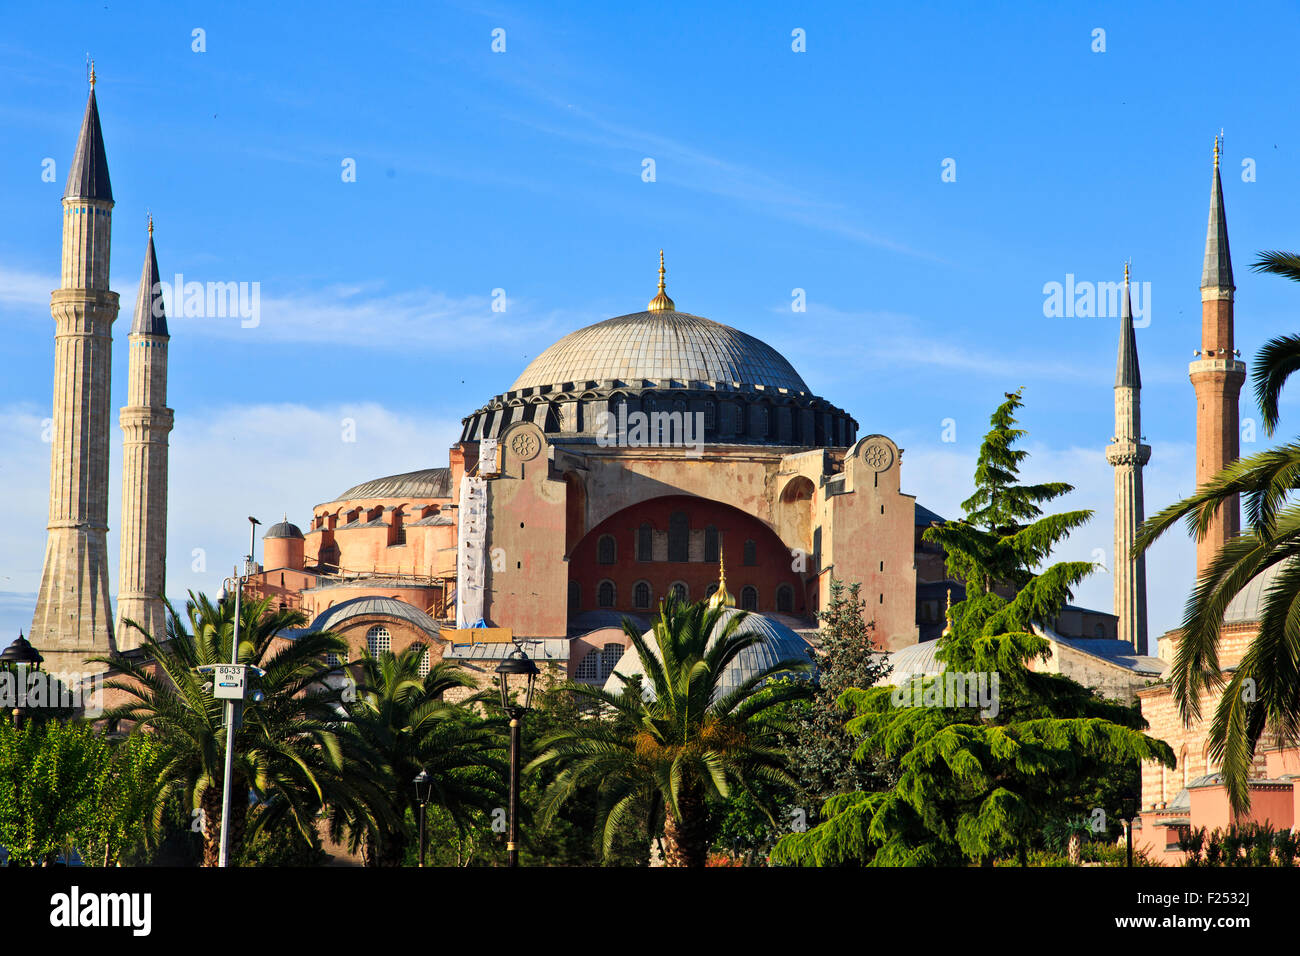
<point x="661" y="302"/>
<point x="150" y="224"/>
<point x="947" y="614"/>
<point x="92" y="75"/>
<point x="721" y="597"/>
<point x="1216" y="149"/>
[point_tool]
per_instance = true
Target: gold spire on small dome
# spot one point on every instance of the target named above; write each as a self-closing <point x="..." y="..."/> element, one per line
<point x="721" y="597"/>
<point x="150" y="225"/>
<point x="1216" y="148"/>
<point x="947" y="614"/>
<point x="661" y="302"/>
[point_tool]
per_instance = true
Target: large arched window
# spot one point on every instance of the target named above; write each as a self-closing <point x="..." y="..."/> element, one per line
<point x="750" y="553"/>
<point x="680" y="591"/>
<point x="785" y="599"/>
<point x="749" y="598"/>
<point x="679" y="535"/>
<point x="575" y="597"/>
<point x="605" y="594"/>
<point x="606" y="549"/>
<point x="609" y="659"/>
<point x="426" y="659"/>
<point x="711" y="544"/>
<point x="641" y="595"/>
<point x="645" y="542"/>
<point x="378" y="640"/>
<point x="588" y="669"/>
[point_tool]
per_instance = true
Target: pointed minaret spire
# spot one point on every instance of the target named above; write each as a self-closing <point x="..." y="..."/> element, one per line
<point x="150" y="317"/>
<point x="1126" y="367"/>
<point x="1127" y="455"/>
<point x="88" y="175"/>
<point x="1217" y="375"/>
<point x="661" y="302"/>
<point x="1217" y="272"/>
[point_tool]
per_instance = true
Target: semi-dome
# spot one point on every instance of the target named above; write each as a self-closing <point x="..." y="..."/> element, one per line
<point x="662" y="347"/>
<point x="339" y="614"/>
<point x="779" y="643"/>
<point x="428" y="483"/>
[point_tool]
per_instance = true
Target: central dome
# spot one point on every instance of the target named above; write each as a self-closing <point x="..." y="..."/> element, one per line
<point x="661" y="346"/>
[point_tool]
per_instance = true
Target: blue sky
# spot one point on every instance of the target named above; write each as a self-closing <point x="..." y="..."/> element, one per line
<point x="522" y="171"/>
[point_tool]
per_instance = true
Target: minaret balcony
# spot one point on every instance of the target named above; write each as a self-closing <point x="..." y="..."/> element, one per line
<point x="1127" y="453"/>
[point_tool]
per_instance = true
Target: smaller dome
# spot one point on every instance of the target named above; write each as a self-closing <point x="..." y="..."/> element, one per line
<point x="915" y="660"/>
<point x="283" y="529"/>
<point x="779" y="643"/>
<point x="1247" y="605"/>
<point x="340" y="614"/>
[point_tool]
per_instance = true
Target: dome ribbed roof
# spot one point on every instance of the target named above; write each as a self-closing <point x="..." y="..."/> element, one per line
<point x="779" y="643"/>
<point x="661" y="346"/>
<point x="371" y="607"/>
<point x="1247" y="605"/>
<point x="283" y="529"/>
<point x="429" y="483"/>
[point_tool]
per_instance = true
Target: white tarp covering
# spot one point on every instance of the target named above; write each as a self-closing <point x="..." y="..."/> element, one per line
<point x="471" y="550"/>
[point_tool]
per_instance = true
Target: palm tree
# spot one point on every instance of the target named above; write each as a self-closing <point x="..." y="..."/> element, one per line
<point x="663" y="751"/>
<point x="401" y="720"/>
<point x="288" y="752"/>
<point x="1263" y="692"/>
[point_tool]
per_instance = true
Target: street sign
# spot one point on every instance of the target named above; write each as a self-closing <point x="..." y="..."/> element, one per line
<point x="228" y="682"/>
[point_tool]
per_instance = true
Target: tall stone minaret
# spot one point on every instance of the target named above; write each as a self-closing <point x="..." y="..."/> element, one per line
<point x="146" y="421"/>
<point x="74" y="617"/>
<point x="1217" y="375"/>
<point x="1127" y="455"/>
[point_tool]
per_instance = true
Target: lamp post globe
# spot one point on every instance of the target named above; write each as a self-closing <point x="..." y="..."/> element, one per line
<point x="516" y="673"/>
<point x="20" y="656"/>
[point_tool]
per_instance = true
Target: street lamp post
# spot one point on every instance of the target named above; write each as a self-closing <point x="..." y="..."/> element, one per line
<point x="422" y="787"/>
<point x="523" y="671"/>
<point x="18" y="657"/>
<point x="232" y="700"/>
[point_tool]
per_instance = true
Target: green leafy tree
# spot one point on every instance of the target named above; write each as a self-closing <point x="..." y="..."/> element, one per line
<point x="400" y="718"/>
<point x="49" y="772"/>
<point x="1262" y="693"/>
<point x="288" y="753"/>
<point x="661" y="749"/>
<point x="129" y="801"/>
<point x="980" y="775"/>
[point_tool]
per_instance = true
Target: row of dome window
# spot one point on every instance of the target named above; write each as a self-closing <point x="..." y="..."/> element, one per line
<point x="379" y="640"/>
<point x="678" y="543"/>
<point x="642" y="594"/>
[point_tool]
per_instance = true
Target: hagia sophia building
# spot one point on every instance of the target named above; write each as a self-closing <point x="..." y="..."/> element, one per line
<point x="651" y="453"/>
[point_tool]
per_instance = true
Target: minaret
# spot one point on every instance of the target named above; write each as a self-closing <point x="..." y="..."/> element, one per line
<point x="1127" y="455"/>
<point x="146" y="421"/>
<point x="1217" y="376"/>
<point x="74" y="616"/>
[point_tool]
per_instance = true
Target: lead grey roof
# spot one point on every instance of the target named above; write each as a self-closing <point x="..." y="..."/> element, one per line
<point x="337" y="615"/>
<point x="925" y="517"/>
<point x="661" y="347"/>
<point x="548" y="650"/>
<point x="428" y="483"/>
<point x="1127" y="374"/>
<point x="1247" y="605"/>
<point x="150" y="319"/>
<point x="283" y="529"/>
<point x="1217" y="273"/>
<point x="88" y="175"/>
<point x="779" y="643"/>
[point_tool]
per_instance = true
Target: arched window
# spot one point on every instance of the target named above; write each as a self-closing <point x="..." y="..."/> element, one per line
<point x="588" y="670"/>
<point x="426" y="659"/>
<point x="749" y="598"/>
<point x="399" y="527"/>
<point x="680" y="591"/>
<point x="575" y="597"/>
<point x="679" y="533"/>
<point x="641" y="595"/>
<point x="609" y="659"/>
<point x="750" y="554"/>
<point x="605" y="594"/>
<point x="336" y="660"/>
<point x="645" y="542"/>
<point x="711" y="544"/>
<point x="378" y="640"/>
<point x="760" y="421"/>
<point x="606" y="549"/>
<point x="785" y="599"/>
<point x="1100" y="630"/>
<point x="710" y="415"/>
